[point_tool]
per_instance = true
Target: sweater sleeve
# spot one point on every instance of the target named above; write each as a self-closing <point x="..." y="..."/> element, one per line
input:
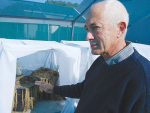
<point x="72" y="91"/>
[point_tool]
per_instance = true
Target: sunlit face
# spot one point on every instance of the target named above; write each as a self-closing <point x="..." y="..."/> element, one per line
<point x="101" y="35"/>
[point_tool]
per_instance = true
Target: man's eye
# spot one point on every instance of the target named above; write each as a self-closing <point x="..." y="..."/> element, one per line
<point x="86" y="29"/>
<point x="96" y="27"/>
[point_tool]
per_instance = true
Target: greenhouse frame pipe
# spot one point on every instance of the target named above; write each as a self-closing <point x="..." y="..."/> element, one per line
<point x="48" y="33"/>
<point x="72" y="33"/>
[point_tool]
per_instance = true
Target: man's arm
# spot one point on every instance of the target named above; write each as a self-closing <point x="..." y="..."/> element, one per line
<point x="72" y="91"/>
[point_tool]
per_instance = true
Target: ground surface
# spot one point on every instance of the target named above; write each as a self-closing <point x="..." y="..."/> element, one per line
<point x="46" y="107"/>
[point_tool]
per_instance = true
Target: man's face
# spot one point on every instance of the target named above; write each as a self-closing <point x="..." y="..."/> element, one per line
<point x="100" y="33"/>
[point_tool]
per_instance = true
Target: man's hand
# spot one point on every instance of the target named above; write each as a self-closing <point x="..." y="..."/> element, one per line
<point x="45" y="86"/>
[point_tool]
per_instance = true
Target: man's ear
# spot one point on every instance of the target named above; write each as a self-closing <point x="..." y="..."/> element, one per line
<point x="121" y="28"/>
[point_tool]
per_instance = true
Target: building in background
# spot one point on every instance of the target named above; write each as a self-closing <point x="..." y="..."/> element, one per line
<point x="39" y="21"/>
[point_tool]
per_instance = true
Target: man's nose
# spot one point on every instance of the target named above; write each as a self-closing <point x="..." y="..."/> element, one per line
<point x="89" y="36"/>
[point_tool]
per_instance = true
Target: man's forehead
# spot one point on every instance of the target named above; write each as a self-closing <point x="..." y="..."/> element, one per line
<point x="94" y="18"/>
<point x="94" y="21"/>
<point x="91" y="20"/>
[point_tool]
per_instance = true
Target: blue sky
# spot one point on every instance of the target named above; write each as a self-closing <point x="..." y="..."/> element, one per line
<point x="43" y="1"/>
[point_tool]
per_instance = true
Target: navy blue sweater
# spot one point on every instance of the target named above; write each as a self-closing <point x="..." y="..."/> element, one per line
<point x="120" y="88"/>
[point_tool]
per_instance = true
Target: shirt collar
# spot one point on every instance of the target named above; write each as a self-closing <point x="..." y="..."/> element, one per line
<point x="120" y="56"/>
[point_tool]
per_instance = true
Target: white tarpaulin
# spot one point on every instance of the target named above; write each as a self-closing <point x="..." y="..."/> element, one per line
<point x="144" y="50"/>
<point x="12" y="50"/>
<point x="86" y="57"/>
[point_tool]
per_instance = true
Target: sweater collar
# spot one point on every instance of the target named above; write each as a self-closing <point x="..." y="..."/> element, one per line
<point x="120" y="56"/>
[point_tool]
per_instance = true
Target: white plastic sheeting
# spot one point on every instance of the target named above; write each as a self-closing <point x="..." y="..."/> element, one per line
<point x="12" y="50"/>
<point x="86" y="57"/>
<point x="143" y="49"/>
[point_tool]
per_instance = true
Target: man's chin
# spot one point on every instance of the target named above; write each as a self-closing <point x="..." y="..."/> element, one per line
<point x="95" y="52"/>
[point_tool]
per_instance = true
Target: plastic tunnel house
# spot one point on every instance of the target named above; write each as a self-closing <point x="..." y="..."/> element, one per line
<point x="38" y="21"/>
<point x="32" y="55"/>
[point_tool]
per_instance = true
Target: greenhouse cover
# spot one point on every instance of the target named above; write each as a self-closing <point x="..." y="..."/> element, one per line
<point x="12" y="51"/>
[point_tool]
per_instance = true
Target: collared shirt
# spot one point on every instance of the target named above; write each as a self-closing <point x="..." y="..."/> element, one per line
<point x="120" y="56"/>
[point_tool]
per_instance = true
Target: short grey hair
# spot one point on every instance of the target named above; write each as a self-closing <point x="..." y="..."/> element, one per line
<point x="114" y="13"/>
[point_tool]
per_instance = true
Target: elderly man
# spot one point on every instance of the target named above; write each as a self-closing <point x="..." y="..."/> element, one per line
<point x="119" y="80"/>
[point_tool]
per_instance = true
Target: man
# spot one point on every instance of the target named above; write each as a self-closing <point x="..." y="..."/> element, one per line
<point x="119" y="80"/>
